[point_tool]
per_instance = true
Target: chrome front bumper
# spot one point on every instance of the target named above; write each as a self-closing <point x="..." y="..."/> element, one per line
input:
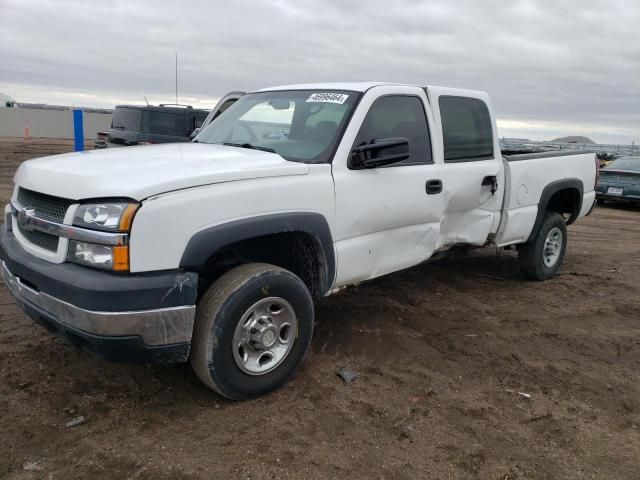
<point x="156" y="327"/>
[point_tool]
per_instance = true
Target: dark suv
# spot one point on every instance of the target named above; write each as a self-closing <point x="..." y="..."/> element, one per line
<point x="137" y="125"/>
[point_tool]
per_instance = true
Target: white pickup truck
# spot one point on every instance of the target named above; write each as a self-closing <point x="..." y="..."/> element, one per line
<point x="214" y="251"/>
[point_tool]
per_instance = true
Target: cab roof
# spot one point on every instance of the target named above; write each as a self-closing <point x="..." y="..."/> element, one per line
<point x="164" y="108"/>
<point x="364" y="86"/>
<point x="352" y="86"/>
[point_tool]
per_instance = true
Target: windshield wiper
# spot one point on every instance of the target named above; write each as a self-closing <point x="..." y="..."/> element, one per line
<point x="250" y="146"/>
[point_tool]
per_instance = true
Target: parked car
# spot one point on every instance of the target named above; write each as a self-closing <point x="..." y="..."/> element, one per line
<point x="138" y="125"/>
<point x="620" y="181"/>
<point x="214" y="252"/>
<point x="102" y="139"/>
<point x="224" y="103"/>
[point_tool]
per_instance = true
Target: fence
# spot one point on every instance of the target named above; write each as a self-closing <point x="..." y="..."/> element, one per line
<point x="44" y="123"/>
<point x="613" y="149"/>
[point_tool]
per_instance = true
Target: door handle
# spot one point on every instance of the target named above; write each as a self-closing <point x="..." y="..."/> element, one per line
<point x="434" y="187"/>
<point x="491" y="180"/>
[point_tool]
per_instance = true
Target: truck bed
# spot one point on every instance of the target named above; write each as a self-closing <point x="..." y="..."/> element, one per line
<point x="531" y="176"/>
<point x="517" y="157"/>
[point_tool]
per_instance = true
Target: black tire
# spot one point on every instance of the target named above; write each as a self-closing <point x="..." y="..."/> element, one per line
<point x="220" y="310"/>
<point x="532" y="254"/>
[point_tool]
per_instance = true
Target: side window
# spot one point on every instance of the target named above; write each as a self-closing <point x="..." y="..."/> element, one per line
<point x="466" y="129"/>
<point x="199" y="118"/>
<point x="399" y="116"/>
<point x="224" y="106"/>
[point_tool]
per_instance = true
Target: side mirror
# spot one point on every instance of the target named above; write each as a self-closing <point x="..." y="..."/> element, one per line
<point x="194" y="133"/>
<point x="378" y="153"/>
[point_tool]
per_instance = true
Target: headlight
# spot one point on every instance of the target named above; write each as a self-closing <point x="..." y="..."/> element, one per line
<point x="110" y="217"/>
<point x="99" y="256"/>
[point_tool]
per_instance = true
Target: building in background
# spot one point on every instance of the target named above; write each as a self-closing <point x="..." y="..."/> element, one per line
<point x="6" y="101"/>
<point x="37" y="120"/>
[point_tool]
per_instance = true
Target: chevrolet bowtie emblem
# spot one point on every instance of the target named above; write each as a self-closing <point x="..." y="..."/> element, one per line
<point x="24" y="218"/>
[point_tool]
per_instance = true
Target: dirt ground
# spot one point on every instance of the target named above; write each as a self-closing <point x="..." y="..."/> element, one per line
<point x="442" y="350"/>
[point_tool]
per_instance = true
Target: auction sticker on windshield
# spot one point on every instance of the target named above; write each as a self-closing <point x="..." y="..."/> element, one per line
<point x="327" y="97"/>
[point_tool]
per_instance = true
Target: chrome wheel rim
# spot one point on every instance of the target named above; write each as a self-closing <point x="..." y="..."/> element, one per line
<point x="264" y="336"/>
<point x="552" y="247"/>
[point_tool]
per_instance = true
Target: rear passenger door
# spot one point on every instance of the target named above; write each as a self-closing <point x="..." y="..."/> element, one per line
<point x="472" y="172"/>
<point x="385" y="218"/>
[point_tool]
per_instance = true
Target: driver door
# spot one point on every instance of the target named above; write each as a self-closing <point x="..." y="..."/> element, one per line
<point x="387" y="218"/>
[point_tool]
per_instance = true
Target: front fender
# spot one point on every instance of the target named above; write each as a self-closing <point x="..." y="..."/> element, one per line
<point x="204" y="244"/>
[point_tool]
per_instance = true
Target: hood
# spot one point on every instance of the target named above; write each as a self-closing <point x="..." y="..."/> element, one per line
<point x="142" y="171"/>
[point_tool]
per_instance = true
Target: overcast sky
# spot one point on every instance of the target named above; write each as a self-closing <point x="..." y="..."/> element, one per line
<point x="553" y="68"/>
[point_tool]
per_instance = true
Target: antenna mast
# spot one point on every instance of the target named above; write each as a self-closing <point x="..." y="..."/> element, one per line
<point x="176" y="78"/>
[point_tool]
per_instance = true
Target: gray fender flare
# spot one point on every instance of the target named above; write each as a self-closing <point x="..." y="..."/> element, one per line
<point x="207" y="242"/>
<point x="548" y="192"/>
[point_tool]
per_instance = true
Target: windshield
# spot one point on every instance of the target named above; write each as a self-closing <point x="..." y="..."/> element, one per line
<point x="126" y="119"/>
<point x="299" y="125"/>
<point x="625" y="164"/>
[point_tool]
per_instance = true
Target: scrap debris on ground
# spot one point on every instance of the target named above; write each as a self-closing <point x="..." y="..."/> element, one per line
<point x="347" y="375"/>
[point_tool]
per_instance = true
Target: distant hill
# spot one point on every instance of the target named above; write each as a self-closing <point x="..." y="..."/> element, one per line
<point x="573" y="139"/>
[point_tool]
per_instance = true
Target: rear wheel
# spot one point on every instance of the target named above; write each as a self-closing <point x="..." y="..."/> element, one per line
<point x="541" y="257"/>
<point x="253" y="327"/>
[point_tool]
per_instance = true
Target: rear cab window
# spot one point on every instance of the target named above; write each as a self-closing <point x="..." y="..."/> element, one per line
<point x="631" y="164"/>
<point x="127" y="119"/>
<point x="466" y="129"/>
<point x="165" y="123"/>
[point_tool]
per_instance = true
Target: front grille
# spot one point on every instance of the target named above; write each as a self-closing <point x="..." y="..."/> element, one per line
<point x="45" y="206"/>
<point x="41" y="239"/>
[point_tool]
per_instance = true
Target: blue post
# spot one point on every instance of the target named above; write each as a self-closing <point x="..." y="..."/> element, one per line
<point x="78" y="130"/>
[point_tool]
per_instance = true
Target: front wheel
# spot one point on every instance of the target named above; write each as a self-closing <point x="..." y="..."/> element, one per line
<point x="541" y="257"/>
<point x="253" y="327"/>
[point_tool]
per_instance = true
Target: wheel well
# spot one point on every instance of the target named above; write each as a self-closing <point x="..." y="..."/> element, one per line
<point x="566" y="202"/>
<point x="299" y="252"/>
<point x="563" y="197"/>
